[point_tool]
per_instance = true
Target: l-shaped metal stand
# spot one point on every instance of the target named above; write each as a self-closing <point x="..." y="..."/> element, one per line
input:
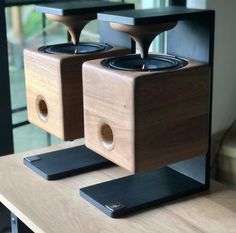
<point x="192" y="38"/>
<point x="131" y="193"/>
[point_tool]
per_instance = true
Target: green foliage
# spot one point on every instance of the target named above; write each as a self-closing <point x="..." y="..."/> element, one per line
<point x="33" y="25"/>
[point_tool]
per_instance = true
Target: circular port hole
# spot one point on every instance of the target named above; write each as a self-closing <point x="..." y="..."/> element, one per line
<point x="42" y="108"/>
<point x="107" y="138"/>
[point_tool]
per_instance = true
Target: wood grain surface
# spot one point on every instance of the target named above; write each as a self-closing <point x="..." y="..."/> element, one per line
<point x="56" y="207"/>
<point x="56" y="81"/>
<point x="155" y="118"/>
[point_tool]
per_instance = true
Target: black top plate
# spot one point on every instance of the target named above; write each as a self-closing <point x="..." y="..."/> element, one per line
<point x="152" y="16"/>
<point x="81" y="7"/>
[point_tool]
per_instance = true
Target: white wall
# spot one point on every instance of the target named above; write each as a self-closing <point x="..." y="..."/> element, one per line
<point x="224" y="93"/>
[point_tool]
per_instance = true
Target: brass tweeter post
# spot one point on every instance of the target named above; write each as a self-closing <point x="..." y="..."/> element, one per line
<point x="73" y="23"/>
<point x="143" y="34"/>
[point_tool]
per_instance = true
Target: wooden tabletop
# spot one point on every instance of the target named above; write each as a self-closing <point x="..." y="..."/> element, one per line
<point x="56" y="206"/>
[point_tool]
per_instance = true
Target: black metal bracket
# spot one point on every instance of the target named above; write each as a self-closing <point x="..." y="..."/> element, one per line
<point x="131" y="193"/>
<point x="17" y="226"/>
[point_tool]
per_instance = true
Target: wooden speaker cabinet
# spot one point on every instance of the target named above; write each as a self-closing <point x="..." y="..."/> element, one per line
<point x="145" y="120"/>
<point x="54" y="90"/>
<point x="54" y="73"/>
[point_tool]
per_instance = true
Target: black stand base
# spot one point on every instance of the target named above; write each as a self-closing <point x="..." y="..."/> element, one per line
<point x="64" y="163"/>
<point x="125" y="195"/>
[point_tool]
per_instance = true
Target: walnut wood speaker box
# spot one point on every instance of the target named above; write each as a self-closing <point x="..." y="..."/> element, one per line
<point x="142" y="120"/>
<point x="53" y="73"/>
<point x="54" y="90"/>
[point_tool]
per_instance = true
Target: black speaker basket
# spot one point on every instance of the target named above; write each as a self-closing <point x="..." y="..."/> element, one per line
<point x="153" y="62"/>
<point x="70" y="48"/>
